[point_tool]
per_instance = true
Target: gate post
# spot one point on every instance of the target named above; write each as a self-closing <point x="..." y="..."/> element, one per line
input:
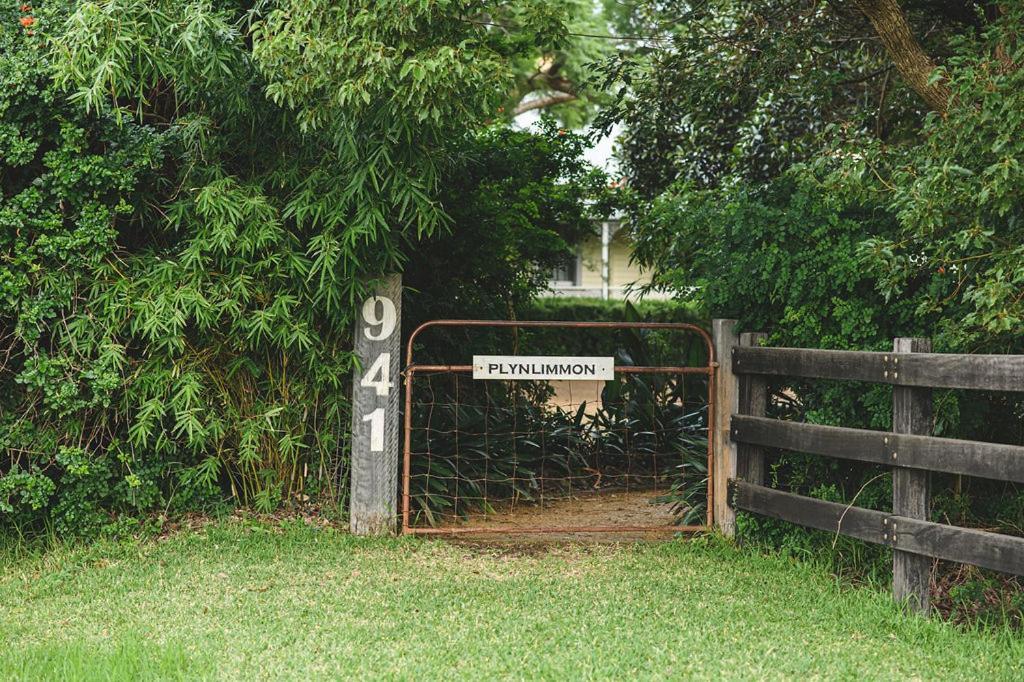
<point x="753" y="401"/>
<point x="375" y="399"/>
<point x="723" y="333"/>
<point x="911" y="413"/>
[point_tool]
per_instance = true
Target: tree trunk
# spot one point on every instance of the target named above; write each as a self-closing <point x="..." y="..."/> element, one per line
<point x="907" y="55"/>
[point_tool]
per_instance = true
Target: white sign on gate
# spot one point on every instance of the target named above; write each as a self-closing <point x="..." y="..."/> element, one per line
<point x="543" y="367"/>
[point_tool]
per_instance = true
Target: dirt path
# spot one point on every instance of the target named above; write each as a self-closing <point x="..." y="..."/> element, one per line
<point x="595" y="509"/>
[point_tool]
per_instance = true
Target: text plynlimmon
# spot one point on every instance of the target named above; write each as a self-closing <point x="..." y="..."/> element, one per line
<point x="542" y="367"/>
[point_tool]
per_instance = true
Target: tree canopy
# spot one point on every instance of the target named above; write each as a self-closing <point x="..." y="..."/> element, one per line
<point x="908" y="111"/>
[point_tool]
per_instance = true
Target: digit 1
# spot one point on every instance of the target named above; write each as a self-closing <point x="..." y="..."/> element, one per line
<point x="376" y="419"/>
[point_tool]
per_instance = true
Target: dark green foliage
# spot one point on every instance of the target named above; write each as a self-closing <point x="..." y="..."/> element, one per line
<point x="194" y="345"/>
<point x="517" y="202"/>
<point x="797" y="83"/>
<point x="497" y="446"/>
<point x="796" y="183"/>
<point x="659" y="347"/>
<point x="786" y="259"/>
<point x="68" y="184"/>
<point x="781" y="73"/>
<point x="776" y="257"/>
<point x="956" y="195"/>
<point x="191" y="195"/>
<point x="611" y="310"/>
<point x="982" y="599"/>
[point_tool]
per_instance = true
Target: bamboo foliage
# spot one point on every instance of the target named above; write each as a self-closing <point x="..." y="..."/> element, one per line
<point x="190" y="194"/>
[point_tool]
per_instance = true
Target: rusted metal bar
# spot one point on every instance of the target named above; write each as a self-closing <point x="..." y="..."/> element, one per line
<point x="568" y="324"/>
<point x="407" y="454"/>
<point x="712" y="387"/>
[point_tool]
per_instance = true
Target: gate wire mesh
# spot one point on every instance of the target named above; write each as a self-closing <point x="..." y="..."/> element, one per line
<point x="557" y="456"/>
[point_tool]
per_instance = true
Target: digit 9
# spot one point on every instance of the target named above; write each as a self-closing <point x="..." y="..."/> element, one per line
<point x="387" y="318"/>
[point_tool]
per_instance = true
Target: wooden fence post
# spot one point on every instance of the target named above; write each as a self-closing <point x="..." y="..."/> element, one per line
<point x="911" y="413"/>
<point x="753" y="401"/>
<point x="376" y="434"/>
<point x="726" y="402"/>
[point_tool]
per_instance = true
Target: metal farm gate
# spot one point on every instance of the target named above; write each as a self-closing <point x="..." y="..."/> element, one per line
<point x="482" y="442"/>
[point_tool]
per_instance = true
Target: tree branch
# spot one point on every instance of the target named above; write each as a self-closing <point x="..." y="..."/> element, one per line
<point x="543" y="102"/>
<point x="909" y="57"/>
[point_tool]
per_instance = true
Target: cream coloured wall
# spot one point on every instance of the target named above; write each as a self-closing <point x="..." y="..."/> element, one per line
<point x="590" y="263"/>
<point x="622" y="274"/>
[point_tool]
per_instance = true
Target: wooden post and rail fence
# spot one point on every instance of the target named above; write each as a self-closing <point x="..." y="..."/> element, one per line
<point x="743" y="432"/>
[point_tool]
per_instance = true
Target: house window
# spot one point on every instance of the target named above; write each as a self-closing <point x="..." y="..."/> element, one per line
<point x="566" y="273"/>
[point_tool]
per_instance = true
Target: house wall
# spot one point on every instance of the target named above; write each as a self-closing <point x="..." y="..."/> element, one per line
<point x="590" y="260"/>
<point x="622" y="274"/>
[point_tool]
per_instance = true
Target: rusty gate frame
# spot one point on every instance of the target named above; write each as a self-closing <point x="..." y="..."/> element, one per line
<point x="411" y="369"/>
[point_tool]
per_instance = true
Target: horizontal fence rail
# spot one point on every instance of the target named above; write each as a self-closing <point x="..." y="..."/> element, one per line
<point x="913" y="371"/>
<point x="965" y="545"/>
<point x="928" y="370"/>
<point x="948" y="455"/>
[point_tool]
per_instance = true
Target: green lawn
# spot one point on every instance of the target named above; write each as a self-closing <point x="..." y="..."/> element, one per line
<point x="243" y="601"/>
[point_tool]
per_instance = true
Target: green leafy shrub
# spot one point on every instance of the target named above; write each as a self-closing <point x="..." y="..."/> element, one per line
<point x="656" y="347"/>
<point x="610" y="310"/>
<point x="70" y="182"/>
<point x="785" y="259"/>
<point x="969" y="595"/>
<point x="821" y="202"/>
<point x="492" y="447"/>
<point x="192" y="195"/>
<point x="955" y="192"/>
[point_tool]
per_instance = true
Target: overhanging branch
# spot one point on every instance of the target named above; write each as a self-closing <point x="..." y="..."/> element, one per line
<point x="907" y="55"/>
<point x="543" y="102"/>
